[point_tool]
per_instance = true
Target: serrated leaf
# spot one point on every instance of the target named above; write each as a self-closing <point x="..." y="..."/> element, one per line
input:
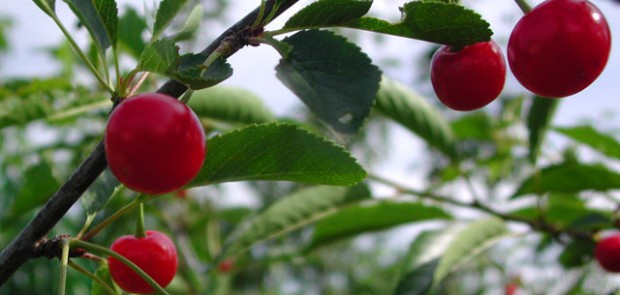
<point x="276" y="151"/>
<point x="588" y="135"/>
<point x="160" y="57"/>
<point x="190" y="71"/>
<point x="538" y="121"/>
<point x="470" y="242"/>
<point x="131" y="35"/>
<point x="431" y="21"/>
<point x="324" y="13"/>
<point x="332" y="77"/>
<point x="48" y="6"/>
<point x="231" y="105"/>
<point x="569" y="177"/>
<point x="191" y="24"/>
<point x="99" y="193"/>
<point x="365" y="218"/>
<point x="39" y="184"/>
<point x="109" y="16"/>
<point x="166" y="12"/>
<point x="301" y="208"/>
<point x="406" y="107"/>
<point x="87" y="13"/>
<point x="418" y="281"/>
<point x="103" y="273"/>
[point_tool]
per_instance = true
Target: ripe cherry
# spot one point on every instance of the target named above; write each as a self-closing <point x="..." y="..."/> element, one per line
<point x="607" y="253"/>
<point x="468" y="78"/>
<point x="560" y="47"/>
<point x="154" y="144"/>
<point x="155" y="254"/>
<point x="225" y="266"/>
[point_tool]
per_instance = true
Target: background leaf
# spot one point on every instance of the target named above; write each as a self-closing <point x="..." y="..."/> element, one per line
<point x="406" y="107"/>
<point x="418" y="281"/>
<point x="538" y="121"/>
<point x="364" y="218"/>
<point x="332" y="77"/>
<point x="292" y="212"/>
<point x="167" y="10"/>
<point x="229" y="104"/>
<point x="103" y="272"/>
<point x="39" y="184"/>
<point x="99" y="193"/>
<point x="276" y="151"/>
<point x="130" y="36"/>
<point x="432" y="21"/>
<point x="191" y="24"/>
<point x="324" y="13"/>
<point x="570" y="177"/>
<point x="605" y="144"/>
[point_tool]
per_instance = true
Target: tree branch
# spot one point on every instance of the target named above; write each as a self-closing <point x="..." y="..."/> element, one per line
<point x="23" y="248"/>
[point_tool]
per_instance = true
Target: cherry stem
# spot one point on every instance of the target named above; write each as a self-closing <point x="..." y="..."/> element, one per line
<point x="93" y="277"/>
<point x="62" y="284"/>
<point x="140" y="232"/>
<point x="525" y="7"/>
<point x="96" y="248"/>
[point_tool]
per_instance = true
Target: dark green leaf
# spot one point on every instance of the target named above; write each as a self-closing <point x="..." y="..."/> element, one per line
<point x="332" y="77"/>
<point x="109" y="16"/>
<point x="160" y="57"/>
<point x="131" y="35"/>
<point x="232" y="105"/>
<point x="365" y="218"/>
<point x="39" y="184"/>
<point x="470" y="242"/>
<point x="167" y="10"/>
<point x="562" y="210"/>
<point x="413" y="112"/>
<point x="418" y="281"/>
<point x="604" y="143"/>
<point x="577" y="253"/>
<point x="87" y="13"/>
<point x="431" y="21"/>
<point x="190" y="71"/>
<point x="570" y="177"/>
<point x="301" y="208"/>
<point x="326" y="13"/>
<point x="593" y="221"/>
<point x="538" y="121"/>
<point x="48" y="6"/>
<point x="99" y="193"/>
<point x="191" y="24"/>
<point x="276" y="151"/>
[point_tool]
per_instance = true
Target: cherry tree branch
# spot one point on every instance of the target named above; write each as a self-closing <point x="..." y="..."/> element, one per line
<point x="24" y="246"/>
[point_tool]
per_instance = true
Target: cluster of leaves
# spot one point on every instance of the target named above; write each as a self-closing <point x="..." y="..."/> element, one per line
<point x="303" y="228"/>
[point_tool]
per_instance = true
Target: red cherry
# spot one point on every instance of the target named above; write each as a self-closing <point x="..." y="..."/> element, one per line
<point x="607" y="253"/>
<point x="154" y="144"/>
<point x="560" y="47"/>
<point x="155" y="254"/>
<point x="469" y="78"/>
<point x="225" y="266"/>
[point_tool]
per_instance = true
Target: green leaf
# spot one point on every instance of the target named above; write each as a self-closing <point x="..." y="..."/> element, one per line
<point x="332" y="77"/>
<point x="191" y="24"/>
<point x="406" y="107"/>
<point x="604" y="143"/>
<point x="103" y="273"/>
<point x="160" y="57"/>
<point x="432" y="21"/>
<point x="563" y="211"/>
<point x="538" y="121"/>
<point x="167" y="10"/>
<point x="190" y="71"/>
<point x="418" y="281"/>
<point x="87" y="13"/>
<point x="299" y="209"/>
<point x="474" y="239"/>
<point x="326" y="13"/>
<point x="365" y="218"/>
<point x="48" y="6"/>
<point x="276" y="151"/>
<point x="232" y="105"/>
<point x="569" y="177"/>
<point x="99" y="193"/>
<point x="39" y="184"/>
<point x="577" y="253"/>
<point x="475" y="125"/>
<point x="109" y="16"/>
<point x="131" y="35"/>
